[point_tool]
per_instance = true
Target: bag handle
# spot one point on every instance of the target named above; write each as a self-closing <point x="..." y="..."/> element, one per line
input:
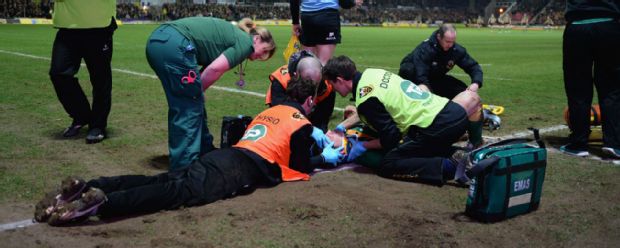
<point x="481" y="166"/>
<point x="537" y="138"/>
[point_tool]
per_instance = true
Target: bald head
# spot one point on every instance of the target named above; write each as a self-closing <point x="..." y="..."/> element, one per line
<point x="446" y="36"/>
<point x="309" y="68"/>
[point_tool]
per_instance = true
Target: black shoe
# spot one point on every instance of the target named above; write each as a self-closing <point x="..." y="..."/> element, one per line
<point x="574" y="150"/>
<point x="72" y="130"/>
<point x="95" y="135"/>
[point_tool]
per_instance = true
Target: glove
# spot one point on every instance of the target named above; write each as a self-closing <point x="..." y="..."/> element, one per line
<point x="332" y="155"/>
<point x="319" y="136"/>
<point x="340" y="128"/>
<point x="357" y="150"/>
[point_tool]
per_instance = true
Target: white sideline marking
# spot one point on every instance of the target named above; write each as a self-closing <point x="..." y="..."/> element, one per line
<point x="527" y="133"/>
<point x="591" y="156"/>
<point x="29" y="222"/>
<point x="457" y="74"/>
<point x="17" y="224"/>
<point x="492" y="78"/>
<point x="396" y="68"/>
<point x="246" y="92"/>
<point x="552" y="149"/>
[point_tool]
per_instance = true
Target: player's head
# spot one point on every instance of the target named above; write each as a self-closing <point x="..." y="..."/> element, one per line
<point x="339" y="71"/>
<point x="446" y="36"/>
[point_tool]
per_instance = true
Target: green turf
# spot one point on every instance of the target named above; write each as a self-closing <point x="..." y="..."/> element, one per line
<point x="522" y="72"/>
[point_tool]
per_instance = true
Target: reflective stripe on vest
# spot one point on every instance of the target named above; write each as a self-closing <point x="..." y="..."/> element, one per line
<point x="269" y="136"/>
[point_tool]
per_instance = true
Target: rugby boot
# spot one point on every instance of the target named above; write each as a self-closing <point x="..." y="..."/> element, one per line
<point x="79" y="209"/>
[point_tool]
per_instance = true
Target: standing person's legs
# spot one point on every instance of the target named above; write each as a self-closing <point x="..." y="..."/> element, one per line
<point x="188" y="135"/>
<point x="206" y="139"/>
<point x="577" y="65"/>
<point x="320" y="32"/>
<point x="422" y="154"/>
<point x="325" y="52"/>
<point x="607" y="81"/>
<point x="98" y="48"/>
<point x="66" y="58"/>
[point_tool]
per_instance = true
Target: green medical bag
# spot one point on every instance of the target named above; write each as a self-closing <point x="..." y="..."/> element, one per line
<point x="507" y="179"/>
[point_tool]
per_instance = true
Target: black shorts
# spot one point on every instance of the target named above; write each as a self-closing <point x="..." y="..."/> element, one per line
<point x="320" y="27"/>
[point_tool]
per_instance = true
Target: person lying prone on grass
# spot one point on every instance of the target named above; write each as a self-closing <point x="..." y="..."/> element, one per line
<point x="275" y="148"/>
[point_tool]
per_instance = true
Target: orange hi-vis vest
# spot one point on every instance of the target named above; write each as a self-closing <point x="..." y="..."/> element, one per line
<point x="281" y="75"/>
<point x="269" y="136"/>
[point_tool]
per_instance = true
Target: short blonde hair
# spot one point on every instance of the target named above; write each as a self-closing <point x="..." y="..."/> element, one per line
<point x="247" y="25"/>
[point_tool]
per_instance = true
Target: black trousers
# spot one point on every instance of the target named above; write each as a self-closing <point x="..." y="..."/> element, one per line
<point x="95" y="47"/>
<point x="592" y="57"/>
<point x="447" y="86"/>
<point x="420" y="156"/>
<point x="444" y="85"/>
<point x="217" y="175"/>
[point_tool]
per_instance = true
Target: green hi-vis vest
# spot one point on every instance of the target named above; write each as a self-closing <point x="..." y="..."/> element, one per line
<point x="406" y="103"/>
<point x="83" y="13"/>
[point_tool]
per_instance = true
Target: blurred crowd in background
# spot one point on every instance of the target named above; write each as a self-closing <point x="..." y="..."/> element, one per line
<point x="550" y="12"/>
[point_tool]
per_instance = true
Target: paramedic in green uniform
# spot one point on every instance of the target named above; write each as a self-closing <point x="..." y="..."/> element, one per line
<point x="85" y="30"/>
<point x="398" y="110"/>
<point x="176" y="50"/>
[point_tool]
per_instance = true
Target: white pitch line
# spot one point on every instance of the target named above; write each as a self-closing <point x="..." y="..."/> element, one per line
<point x="590" y="157"/>
<point x="457" y="74"/>
<point x="17" y="224"/>
<point x="26" y="223"/>
<point x="528" y="133"/>
<point x="227" y="89"/>
<point x="492" y="78"/>
<point x="396" y="68"/>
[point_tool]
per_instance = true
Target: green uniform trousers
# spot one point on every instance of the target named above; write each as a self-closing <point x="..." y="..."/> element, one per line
<point x="173" y="58"/>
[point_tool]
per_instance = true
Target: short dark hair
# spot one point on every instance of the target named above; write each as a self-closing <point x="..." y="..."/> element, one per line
<point x="299" y="89"/>
<point x="445" y="28"/>
<point x="341" y="66"/>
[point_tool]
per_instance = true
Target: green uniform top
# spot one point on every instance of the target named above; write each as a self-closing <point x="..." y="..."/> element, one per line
<point x="406" y="103"/>
<point x="81" y="14"/>
<point x="213" y="37"/>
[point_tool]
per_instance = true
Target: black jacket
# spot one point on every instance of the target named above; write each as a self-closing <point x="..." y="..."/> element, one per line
<point x="586" y="9"/>
<point x="429" y="61"/>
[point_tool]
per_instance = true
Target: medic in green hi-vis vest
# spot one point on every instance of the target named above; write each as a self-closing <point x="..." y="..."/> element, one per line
<point x="415" y="127"/>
